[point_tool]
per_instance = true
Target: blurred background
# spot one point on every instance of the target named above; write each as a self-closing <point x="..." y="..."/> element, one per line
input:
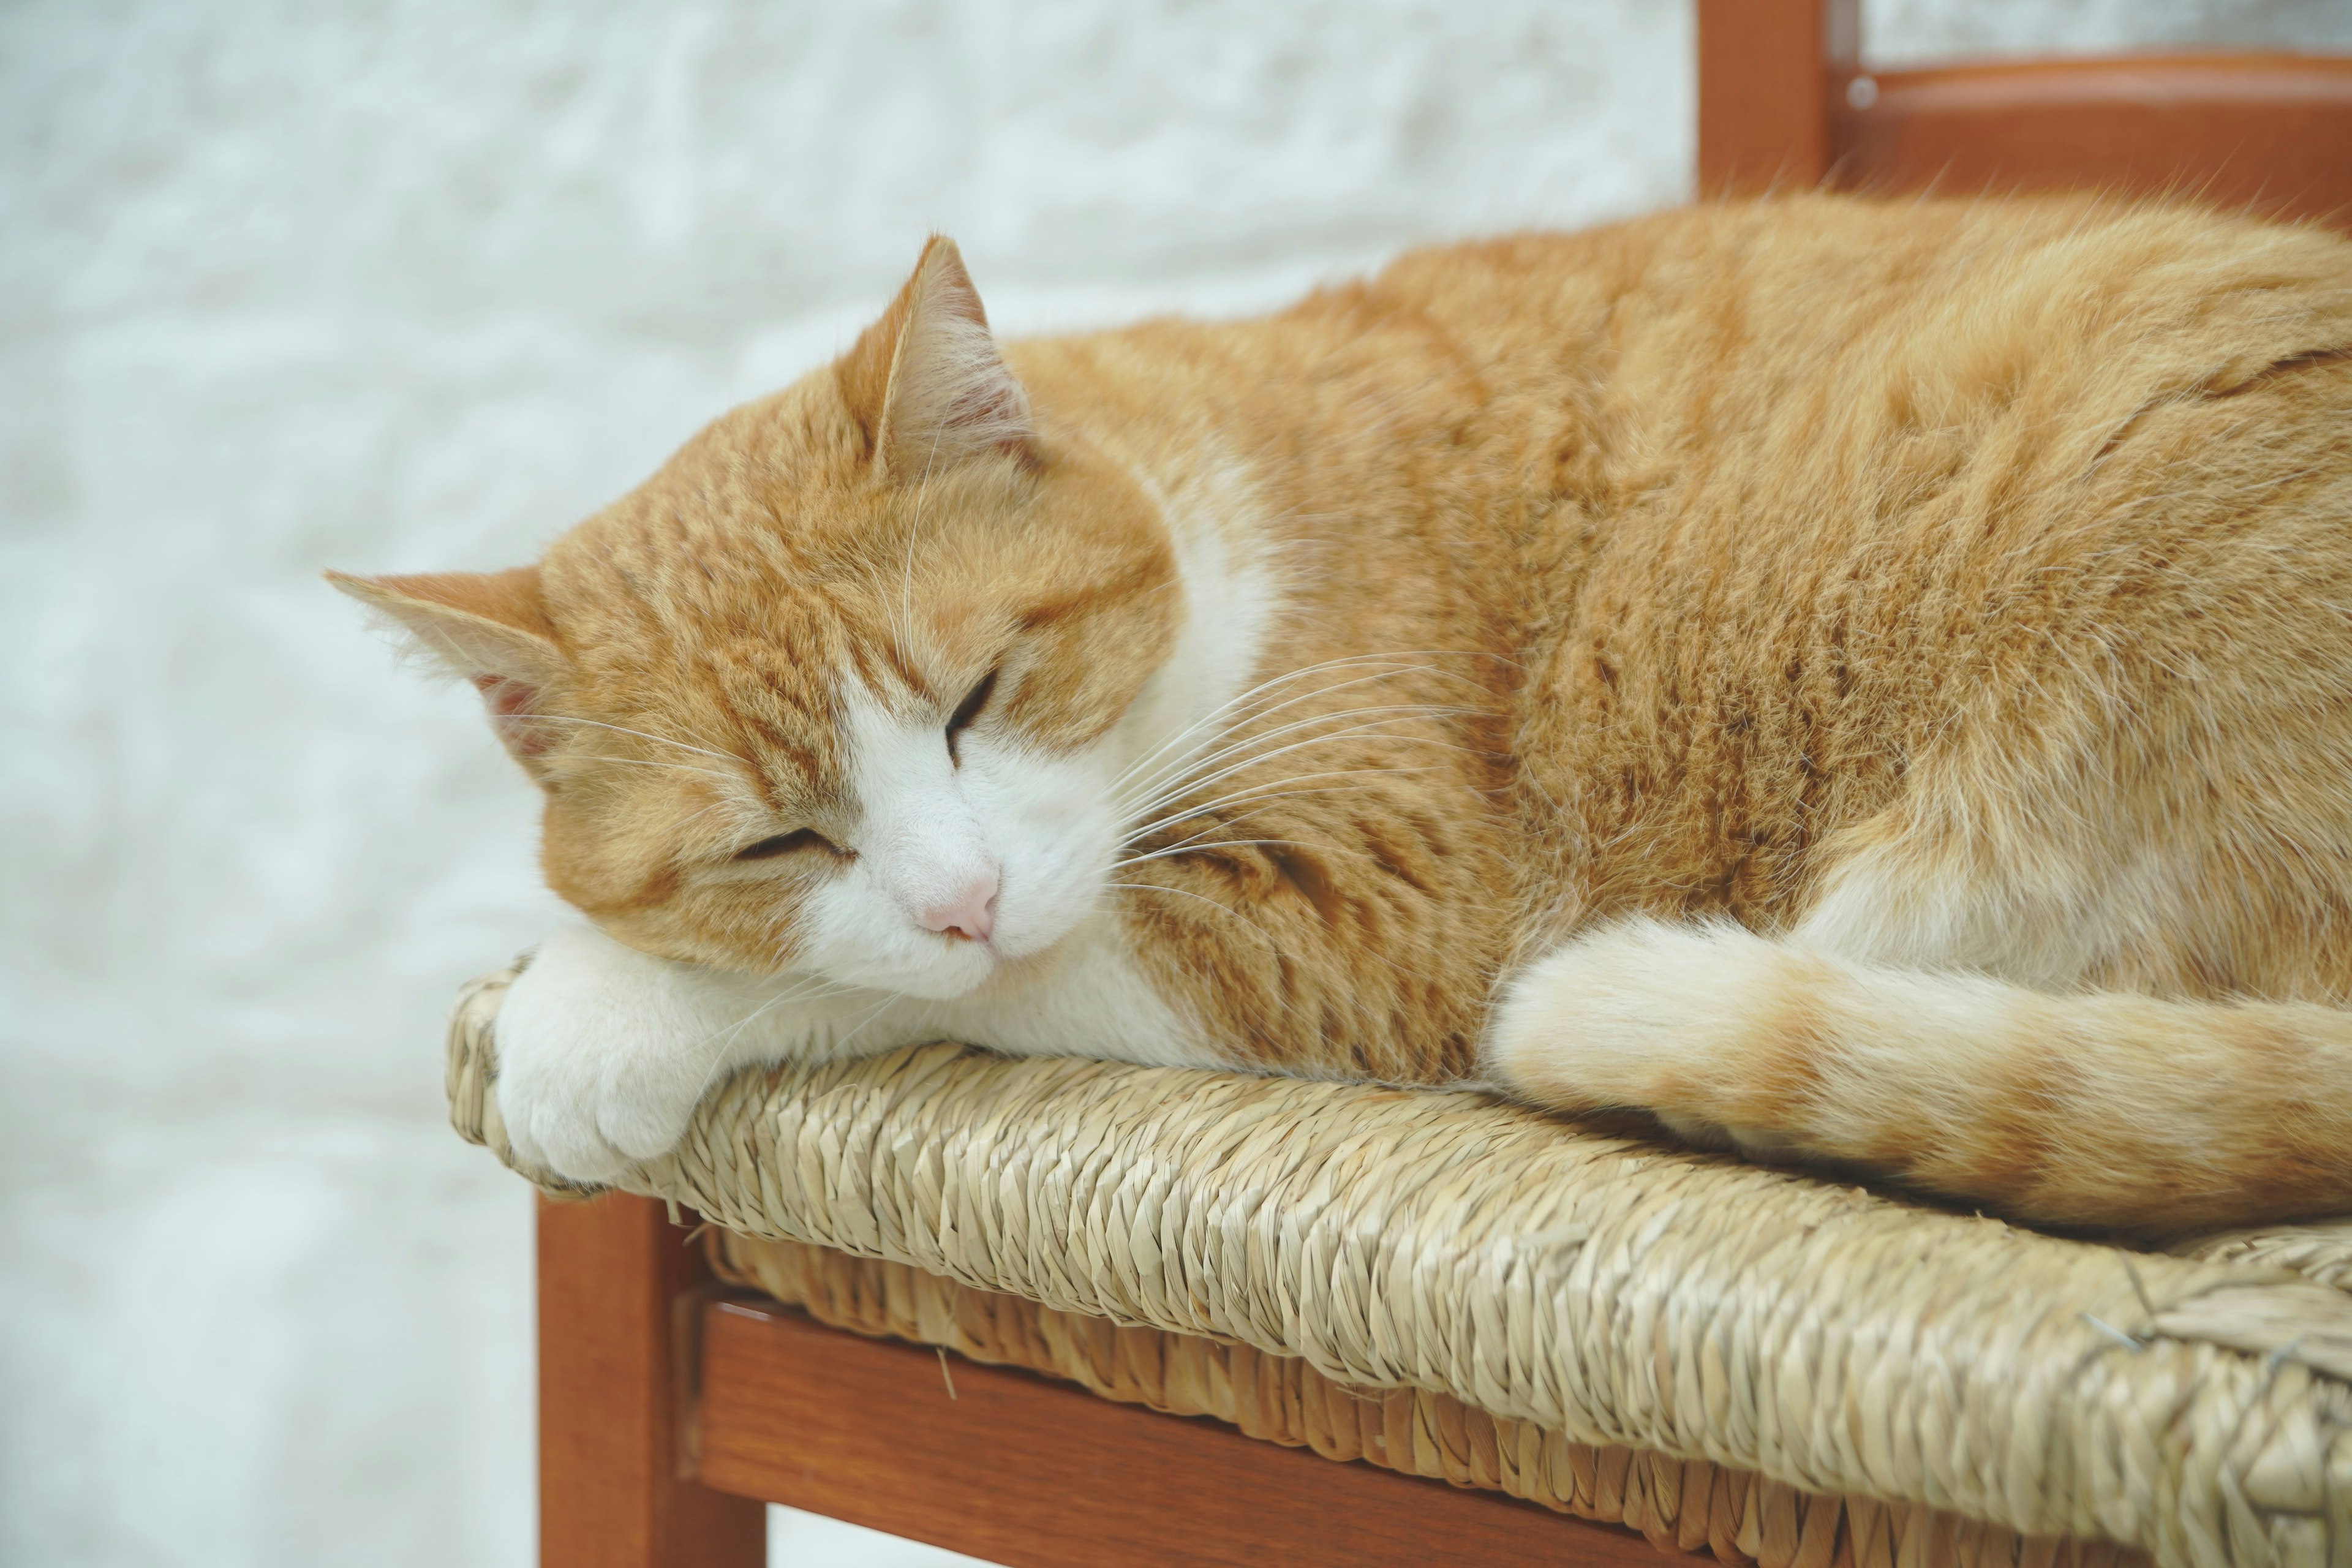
<point x="398" y="286"/>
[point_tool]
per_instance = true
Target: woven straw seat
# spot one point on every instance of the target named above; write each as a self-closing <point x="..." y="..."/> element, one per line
<point x="1779" y="1368"/>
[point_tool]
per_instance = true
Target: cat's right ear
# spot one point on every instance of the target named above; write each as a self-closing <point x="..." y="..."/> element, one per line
<point x="927" y="382"/>
<point x="487" y="627"/>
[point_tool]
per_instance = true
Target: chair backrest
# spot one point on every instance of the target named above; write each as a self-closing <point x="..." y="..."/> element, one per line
<point x="1784" y="102"/>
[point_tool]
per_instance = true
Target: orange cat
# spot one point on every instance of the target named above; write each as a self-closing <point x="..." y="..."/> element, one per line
<point x="1869" y="682"/>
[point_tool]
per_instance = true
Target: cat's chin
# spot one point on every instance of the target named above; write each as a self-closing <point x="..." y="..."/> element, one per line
<point x="1005" y="975"/>
<point x="1013" y="974"/>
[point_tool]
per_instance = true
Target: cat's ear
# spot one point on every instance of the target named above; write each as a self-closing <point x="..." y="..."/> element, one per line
<point x="927" y="382"/>
<point x="488" y="627"/>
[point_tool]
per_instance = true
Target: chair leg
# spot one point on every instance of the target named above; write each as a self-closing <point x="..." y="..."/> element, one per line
<point x="612" y="1489"/>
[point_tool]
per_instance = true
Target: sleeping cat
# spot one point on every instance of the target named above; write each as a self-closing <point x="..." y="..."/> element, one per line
<point x="1868" y="683"/>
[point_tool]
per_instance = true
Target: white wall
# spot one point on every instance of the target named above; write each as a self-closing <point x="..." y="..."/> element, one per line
<point x="399" y="285"/>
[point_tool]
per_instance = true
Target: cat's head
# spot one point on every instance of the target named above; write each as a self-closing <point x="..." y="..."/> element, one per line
<point x="839" y="689"/>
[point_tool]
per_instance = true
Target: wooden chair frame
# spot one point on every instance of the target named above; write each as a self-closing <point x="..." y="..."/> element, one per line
<point x="669" y="1411"/>
<point x="672" y="1409"/>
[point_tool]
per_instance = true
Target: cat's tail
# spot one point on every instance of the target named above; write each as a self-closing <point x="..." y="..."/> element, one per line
<point x="2099" y="1109"/>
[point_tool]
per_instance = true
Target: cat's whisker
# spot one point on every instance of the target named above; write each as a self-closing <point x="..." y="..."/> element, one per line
<point x="1225" y="709"/>
<point x="1145" y="810"/>
<point x="1188" y="786"/>
<point x="1191" y="846"/>
<point x="1211" y="823"/>
<point x="641" y="735"/>
<point x="1255" y="737"/>
<point x="1232" y="819"/>
<point x="1266" y="688"/>
<point x="719" y="1040"/>
<point x="1390" y="714"/>
<point x="672" y="767"/>
<point x="1247" y="753"/>
<point x="887" y="1003"/>
<point x="1261" y="701"/>
<point x="1181" y="893"/>
<point x="1262" y="793"/>
<point x="802" y="988"/>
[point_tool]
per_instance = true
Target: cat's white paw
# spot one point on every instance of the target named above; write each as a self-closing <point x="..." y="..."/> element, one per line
<point x="602" y="1053"/>
<point x="1639" y="1014"/>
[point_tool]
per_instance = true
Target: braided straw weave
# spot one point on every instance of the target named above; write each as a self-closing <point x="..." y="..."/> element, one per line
<point x="1580" y="1292"/>
<point x="1679" y="1504"/>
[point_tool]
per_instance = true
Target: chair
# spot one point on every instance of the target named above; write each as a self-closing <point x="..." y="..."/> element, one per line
<point x="1037" y="1259"/>
<point x="1699" y="1352"/>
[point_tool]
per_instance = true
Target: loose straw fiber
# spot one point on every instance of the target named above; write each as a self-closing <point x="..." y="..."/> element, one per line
<point x="1600" y="1289"/>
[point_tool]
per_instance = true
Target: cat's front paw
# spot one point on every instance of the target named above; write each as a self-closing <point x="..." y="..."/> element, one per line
<point x="602" y="1053"/>
<point x="1641" y="1014"/>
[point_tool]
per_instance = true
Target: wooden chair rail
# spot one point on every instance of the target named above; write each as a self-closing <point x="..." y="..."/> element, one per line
<point x="1019" y="1469"/>
<point x="1785" y="104"/>
<point x="2267" y="133"/>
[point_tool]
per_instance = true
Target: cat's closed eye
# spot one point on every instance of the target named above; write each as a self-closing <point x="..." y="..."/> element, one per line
<point x="787" y="844"/>
<point x="967" y="711"/>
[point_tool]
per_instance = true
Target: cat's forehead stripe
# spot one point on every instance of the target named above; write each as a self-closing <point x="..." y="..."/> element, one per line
<point x="779" y="752"/>
<point x="864" y="653"/>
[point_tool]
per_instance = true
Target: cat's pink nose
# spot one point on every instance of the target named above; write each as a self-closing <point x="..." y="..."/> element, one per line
<point x="970" y="914"/>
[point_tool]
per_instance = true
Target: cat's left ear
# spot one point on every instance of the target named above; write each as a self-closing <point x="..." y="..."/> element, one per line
<point x="487" y="627"/>
<point x="927" y="381"/>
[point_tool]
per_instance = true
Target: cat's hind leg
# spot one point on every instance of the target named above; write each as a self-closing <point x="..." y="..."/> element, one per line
<point x="1707" y="1025"/>
<point x="2049" y="1097"/>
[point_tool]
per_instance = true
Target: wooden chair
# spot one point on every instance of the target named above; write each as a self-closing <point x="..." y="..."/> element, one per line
<point x="670" y="1412"/>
